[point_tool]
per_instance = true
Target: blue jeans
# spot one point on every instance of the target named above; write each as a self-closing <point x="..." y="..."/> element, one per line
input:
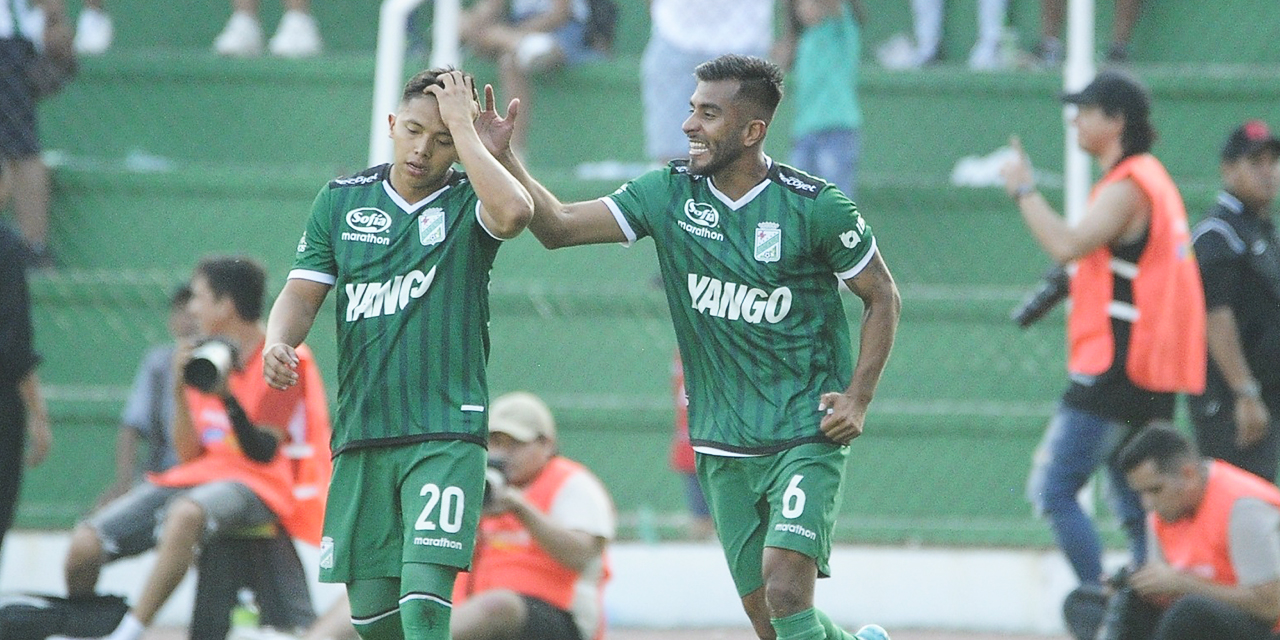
<point x="1075" y="445"/>
<point x="832" y="155"/>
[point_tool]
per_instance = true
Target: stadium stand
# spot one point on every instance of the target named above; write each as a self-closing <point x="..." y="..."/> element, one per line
<point x="163" y="152"/>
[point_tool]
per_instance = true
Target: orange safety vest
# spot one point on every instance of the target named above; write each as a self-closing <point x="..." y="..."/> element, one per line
<point x="509" y="558"/>
<point x="1167" y="350"/>
<point x="1200" y="544"/>
<point x="293" y="483"/>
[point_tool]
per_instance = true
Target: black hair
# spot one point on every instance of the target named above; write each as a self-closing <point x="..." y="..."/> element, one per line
<point x="759" y="81"/>
<point x="242" y="278"/>
<point x="180" y="296"/>
<point x="1160" y="444"/>
<point x="1138" y="134"/>
<point x="417" y="85"/>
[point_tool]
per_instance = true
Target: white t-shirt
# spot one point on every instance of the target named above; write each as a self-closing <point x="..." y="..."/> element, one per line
<point x="714" y="26"/>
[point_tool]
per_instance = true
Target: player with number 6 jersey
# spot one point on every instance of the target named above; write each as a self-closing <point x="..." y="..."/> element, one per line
<point x="751" y="254"/>
<point x="409" y="247"/>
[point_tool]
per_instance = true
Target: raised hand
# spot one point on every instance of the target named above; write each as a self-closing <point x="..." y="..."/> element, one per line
<point x="455" y="97"/>
<point x="496" y="130"/>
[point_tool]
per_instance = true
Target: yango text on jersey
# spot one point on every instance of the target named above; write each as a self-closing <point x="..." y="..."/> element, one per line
<point x="733" y="301"/>
<point x="373" y="299"/>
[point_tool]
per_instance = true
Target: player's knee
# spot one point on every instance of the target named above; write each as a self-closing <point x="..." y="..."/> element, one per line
<point x="425" y="616"/>
<point x="785" y="597"/>
<point x="184" y="518"/>
<point x="380" y="626"/>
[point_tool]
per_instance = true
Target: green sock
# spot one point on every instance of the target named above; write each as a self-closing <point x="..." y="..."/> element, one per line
<point x="799" y="626"/>
<point x="834" y="632"/>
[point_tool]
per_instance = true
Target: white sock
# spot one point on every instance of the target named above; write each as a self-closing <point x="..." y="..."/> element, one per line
<point x="130" y="629"/>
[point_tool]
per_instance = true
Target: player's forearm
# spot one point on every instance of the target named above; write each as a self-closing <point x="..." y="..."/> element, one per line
<point x="503" y="196"/>
<point x="1225" y="350"/>
<point x="547" y="223"/>
<point x="881" y="310"/>
<point x="292" y="314"/>
<point x="1050" y="231"/>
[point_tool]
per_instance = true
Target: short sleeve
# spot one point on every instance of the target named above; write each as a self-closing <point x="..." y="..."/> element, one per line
<point x="635" y="202"/>
<point x="1254" y="538"/>
<point x="1218" y="250"/>
<point x="841" y="237"/>
<point x="314" y="259"/>
<point x="583" y="504"/>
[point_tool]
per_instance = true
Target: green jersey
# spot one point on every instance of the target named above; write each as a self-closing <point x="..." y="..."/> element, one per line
<point x="753" y="291"/>
<point x="412" y="291"/>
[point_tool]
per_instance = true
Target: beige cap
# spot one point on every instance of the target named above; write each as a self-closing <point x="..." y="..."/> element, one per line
<point x="522" y="416"/>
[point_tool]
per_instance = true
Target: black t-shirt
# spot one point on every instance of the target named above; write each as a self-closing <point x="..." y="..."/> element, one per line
<point x="1235" y="247"/>
<point x="1111" y="394"/>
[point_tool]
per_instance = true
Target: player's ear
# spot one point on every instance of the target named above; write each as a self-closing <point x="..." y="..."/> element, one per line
<point x="754" y="133"/>
<point x="391" y="124"/>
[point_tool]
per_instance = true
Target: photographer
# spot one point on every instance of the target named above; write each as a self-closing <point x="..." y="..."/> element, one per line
<point x="1214" y="552"/>
<point x="539" y="568"/>
<point x="1136" y="327"/>
<point x="228" y="436"/>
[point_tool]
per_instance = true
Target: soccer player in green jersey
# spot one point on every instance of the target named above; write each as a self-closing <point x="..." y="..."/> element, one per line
<point x="751" y="254"/>
<point x="407" y="247"/>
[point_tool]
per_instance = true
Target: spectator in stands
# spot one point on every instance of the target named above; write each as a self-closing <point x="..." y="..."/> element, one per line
<point x="1237" y="419"/>
<point x="93" y="29"/>
<point x="24" y="419"/>
<point x="297" y="35"/>
<point x="148" y="413"/>
<point x="683" y="35"/>
<point x="25" y="176"/>
<point x="927" y="24"/>
<point x="540" y="568"/>
<point x="231" y="474"/>
<point x="1050" y="51"/>
<point x="826" y="133"/>
<point x="1214" y="563"/>
<point x="527" y="37"/>
<point x="1136" y="327"/>
<point x="683" y="458"/>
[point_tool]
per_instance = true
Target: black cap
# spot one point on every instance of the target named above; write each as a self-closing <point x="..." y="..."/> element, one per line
<point x="1114" y="92"/>
<point x="1249" y="138"/>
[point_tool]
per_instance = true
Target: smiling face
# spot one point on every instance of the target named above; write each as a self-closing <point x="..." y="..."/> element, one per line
<point x="422" y="147"/>
<point x="716" y="126"/>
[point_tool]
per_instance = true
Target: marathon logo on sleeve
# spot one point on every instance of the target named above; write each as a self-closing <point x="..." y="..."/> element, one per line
<point x="373" y="299"/>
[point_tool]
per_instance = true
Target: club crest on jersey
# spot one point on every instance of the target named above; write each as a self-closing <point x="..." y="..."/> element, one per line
<point x="431" y="226"/>
<point x="768" y="242"/>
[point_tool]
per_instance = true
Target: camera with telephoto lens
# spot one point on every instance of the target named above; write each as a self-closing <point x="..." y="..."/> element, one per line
<point x="211" y="362"/>
<point x="1051" y="291"/>
<point x="1128" y="615"/>
<point x="495" y="479"/>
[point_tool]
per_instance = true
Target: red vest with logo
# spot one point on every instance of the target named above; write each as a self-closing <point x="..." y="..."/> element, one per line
<point x="1167" y="342"/>
<point x="509" y="558"/>
<point x="1200" y="544"/>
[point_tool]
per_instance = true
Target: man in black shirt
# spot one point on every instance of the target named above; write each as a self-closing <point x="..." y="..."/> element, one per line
<point x="1237" y="419"/>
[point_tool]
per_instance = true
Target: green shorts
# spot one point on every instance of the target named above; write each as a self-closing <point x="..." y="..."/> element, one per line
<point x="788" y="500"/>
<point x="392" y="505"/>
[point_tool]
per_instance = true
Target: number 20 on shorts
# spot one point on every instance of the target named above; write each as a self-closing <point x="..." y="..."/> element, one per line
<point x="451" y="501"/>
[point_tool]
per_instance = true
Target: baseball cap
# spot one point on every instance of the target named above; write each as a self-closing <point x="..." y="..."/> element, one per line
<point x="1114" y="91"/>
<point x="1248" y="138"/>
<point x="522" y="416"/>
